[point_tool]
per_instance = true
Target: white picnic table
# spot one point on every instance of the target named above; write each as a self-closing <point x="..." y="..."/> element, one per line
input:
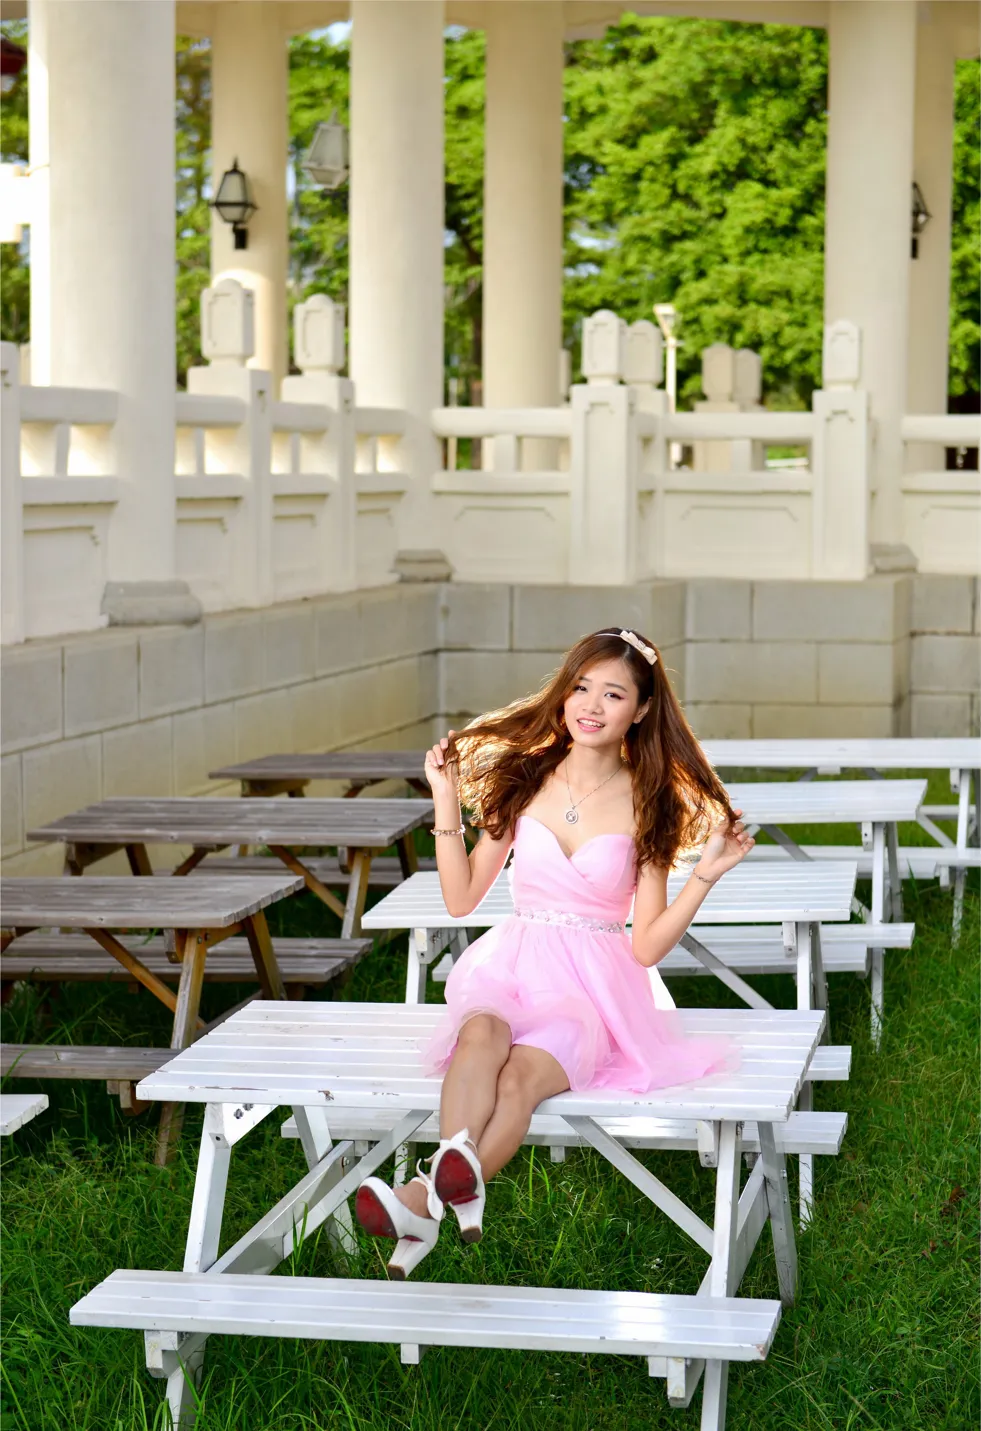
<point x="960" y="755"/>
<point x="327" y="1060"/>
<point x="16" y="1109"/>
<point x="797" y="898"/>
<point x="877" y="806"/>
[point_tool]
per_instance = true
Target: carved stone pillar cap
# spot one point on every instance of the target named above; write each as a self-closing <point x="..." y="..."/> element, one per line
<point x="150" y="603"/>
<point x="422" y="565"/>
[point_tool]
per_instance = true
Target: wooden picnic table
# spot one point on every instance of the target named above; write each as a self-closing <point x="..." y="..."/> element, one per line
<point x="363" y="827"/>
<point x="290" y="774"/>
<point x="201" y="913"/>
<point x="325" y="1061"/>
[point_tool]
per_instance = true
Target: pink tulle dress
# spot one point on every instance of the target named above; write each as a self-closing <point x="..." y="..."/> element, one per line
<point x="560" y="972"/>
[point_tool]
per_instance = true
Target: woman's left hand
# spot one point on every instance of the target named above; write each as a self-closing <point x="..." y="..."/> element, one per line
<point x="724" y="849"/>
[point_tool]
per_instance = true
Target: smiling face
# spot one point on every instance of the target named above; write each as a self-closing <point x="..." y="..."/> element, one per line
<point x="602" y="705"/>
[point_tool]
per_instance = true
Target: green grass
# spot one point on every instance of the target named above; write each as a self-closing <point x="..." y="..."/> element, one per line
<point x="884" y="1334"/>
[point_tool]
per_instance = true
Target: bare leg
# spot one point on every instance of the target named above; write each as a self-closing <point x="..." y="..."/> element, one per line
<point x="470" y="1089"/>
<point x="529" y="1076"/>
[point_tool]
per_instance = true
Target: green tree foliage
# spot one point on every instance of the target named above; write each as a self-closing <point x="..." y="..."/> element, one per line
<point x="193" y="192"/>
<point x="695" y="175"/>
<point x="15" y="284"/>
<point x="964" y="370"/>
<point x="319" y="83"/>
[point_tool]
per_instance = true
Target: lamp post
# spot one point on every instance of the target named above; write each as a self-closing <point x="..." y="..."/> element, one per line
<point x="667" y="316"/>
<point x="235" y="204"/>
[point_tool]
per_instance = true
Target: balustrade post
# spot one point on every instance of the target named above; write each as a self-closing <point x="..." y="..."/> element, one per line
<point x="603" y="466"/>
<point x="840" y="462"/>
<point x="318" y="350"/>
<point x="228" y="341"/>
<point x="11" y="500"/>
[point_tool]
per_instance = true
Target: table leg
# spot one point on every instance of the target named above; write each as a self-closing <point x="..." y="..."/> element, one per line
<point x="139" y="860"/>
<point x="263" y="955"/>
<point x="192" y="948"/>
<point x="781" y="1223"/>
<point x="805" y="986"/>
<point x="895" y="873"/>
<point x="819" y="979"/>
<point x="417" y="966"/>
<point x="781" y="838"/>
<point x="408" y="859"/>
<point x="313" y="1126"/>
<point x="721" y="1278"/>
<point x="357" y="893"/>
<point x="311" y="881"/>
<point x="723" y="973"/>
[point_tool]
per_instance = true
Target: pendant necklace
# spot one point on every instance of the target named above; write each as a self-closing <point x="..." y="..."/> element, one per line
<point x="572" y="814"/>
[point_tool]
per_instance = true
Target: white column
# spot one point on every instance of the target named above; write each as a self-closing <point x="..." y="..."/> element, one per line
<point x="929" y="287"/>
<point x="250" y="123"/>
<point x="523" y="203"/>
<point x="396" y="283"/>
<point x="102" y="244"/>
<point x="867" y="222"/>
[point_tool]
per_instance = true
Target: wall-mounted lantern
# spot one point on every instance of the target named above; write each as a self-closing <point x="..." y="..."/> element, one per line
<point x="326" y="161"/>
<point x="920" y="218"/>
<point x="235" y="203"/>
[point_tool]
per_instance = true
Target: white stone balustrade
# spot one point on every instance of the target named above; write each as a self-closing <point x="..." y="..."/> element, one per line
<point x="283" y="498"/>
<point x="59" y="491"/>
<point x="941" y="509"/>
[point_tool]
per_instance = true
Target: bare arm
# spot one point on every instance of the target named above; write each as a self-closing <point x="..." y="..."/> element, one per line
<point x="658" y="925"/>
<point x="463" y="879"/>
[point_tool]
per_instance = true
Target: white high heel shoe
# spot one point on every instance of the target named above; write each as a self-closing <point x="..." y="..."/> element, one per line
<point x="456" y="1181"/>
<point x="381" y="1214"/>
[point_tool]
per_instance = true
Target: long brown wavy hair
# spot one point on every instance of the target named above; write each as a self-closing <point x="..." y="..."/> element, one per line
<point x="505" y="757"/>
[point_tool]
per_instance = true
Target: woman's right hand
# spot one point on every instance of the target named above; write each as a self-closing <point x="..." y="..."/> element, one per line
<point x="443" y="779"/>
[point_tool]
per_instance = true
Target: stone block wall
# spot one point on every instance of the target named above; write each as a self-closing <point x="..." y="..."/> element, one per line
<point x="945" y="670"/>
<point x="151" y="711"/>
<point x="498" y="642"/>
<point x="769" y="659"/>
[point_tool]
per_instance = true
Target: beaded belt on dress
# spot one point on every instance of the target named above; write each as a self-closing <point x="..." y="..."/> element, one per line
<point x="570" y="921"/>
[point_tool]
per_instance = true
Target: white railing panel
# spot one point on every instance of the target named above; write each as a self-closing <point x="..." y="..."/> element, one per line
<point x="75" y="406"/>
<point x="502" y="422"/>
<point x="942" y="520"/>
<point x="952" y="429"/>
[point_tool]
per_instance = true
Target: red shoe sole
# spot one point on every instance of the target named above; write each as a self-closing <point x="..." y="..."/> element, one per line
<point x="456" y="1180"/>
<point x="372" y="1215"/>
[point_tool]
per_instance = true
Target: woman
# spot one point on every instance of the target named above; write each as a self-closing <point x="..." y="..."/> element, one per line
<point x="598" y="785"/>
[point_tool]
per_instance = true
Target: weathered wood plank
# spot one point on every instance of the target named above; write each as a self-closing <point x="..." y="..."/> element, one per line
<point x="84" y="967"/>
<point x="386" y="870"/>
<point x="24" y="1060"/>
<point x="115" y="902"/>
<point x="373" y="824"/>
<point x="335" y="765"/>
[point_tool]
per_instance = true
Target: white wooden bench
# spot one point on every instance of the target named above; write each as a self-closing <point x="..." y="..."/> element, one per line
<point x="810" y="1132"/>
<point x="329" y="1060"/>
<point x="16" y="1109"/>
<point x="671" y="1331"/>
<point x="757" y="949"/>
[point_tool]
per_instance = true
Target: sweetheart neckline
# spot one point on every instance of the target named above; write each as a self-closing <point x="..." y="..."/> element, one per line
<point x="609" y="835"/>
